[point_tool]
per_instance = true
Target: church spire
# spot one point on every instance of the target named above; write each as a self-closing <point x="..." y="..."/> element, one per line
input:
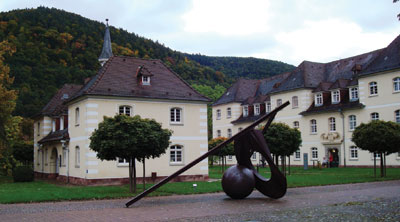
<point x="106" y="52"/>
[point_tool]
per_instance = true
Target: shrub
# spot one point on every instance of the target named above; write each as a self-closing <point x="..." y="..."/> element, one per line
<point x="23" y="174"/>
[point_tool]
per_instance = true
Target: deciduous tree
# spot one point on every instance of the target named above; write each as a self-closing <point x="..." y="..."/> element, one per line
<point x="378" y="136"/>
<point x="282" y="140"/>
<point x="130" y="138"/>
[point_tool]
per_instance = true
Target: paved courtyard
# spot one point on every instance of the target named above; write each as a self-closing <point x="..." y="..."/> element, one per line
<point x="378" y="201"/>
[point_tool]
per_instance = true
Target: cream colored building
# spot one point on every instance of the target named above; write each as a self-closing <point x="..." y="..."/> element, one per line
<point x="328" y="100"/>
<point x="127" y="86"/>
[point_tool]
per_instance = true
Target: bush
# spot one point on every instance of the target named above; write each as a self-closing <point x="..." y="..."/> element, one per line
<point x="23" y="174"/>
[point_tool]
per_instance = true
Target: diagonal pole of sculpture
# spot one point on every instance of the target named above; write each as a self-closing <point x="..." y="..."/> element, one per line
<point x="239" y="181"/>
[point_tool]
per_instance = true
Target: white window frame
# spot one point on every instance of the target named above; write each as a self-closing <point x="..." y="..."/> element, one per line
<point x="219" y="133"/>
<point x="378" y="156"/>
<point x="314" y="153"/>
<point x="122" y="162"/>
<point x="176" y="115"/>
<point x="296" y="125"/>
<point x="77" y="116"/>
<point x="245" y="111"/>
<point x="254" y="156"/>
<point x="257" y="109"/>
<point x="53" y="125"/>
<point x="268" y="106"/>
<point x="218" y="114"/>
<point x="352" y="122"/>
<point x="146" y="80"/>
<point x="353" y="153"/>
<point x="396" y="84"/>
<point x="278" y="102"/>
<point x="335" y="96"/>
<point x="64" y="162"/>
<point x="228" y="112"/>
<point x="229" y="133"/>
<point x="373" y="88"/>
<point x="374" y="116"/>
<point x="319" y="99"/>
<point x="77" y="157"/>
<point x="61" y="122"/>
<point x="295" y="102"/>
<point x="397" y="116"/>
<point x="230" y="157"/>
<point x="297" y="155"/>
<point x="125" y="110"/>
<point x="173" y="153"/>
<point x="313" y="126"/>
<point x="353" y="93"/>
<point x="332" y="124"/>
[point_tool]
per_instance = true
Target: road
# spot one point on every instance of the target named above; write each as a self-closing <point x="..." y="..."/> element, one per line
<point x="377" y="201"/>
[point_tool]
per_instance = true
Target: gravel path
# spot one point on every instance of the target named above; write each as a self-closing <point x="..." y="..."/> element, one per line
<point x="378" y="201"/>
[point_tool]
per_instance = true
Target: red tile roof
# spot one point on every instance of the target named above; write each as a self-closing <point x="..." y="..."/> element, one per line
<point x="118" y="77"/>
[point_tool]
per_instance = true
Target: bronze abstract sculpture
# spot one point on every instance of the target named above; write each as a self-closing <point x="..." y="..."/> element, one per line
<point x="239" y="181"/>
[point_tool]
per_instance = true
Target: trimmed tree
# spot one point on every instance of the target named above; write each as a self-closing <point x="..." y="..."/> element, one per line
<point x="378" y="136"/>
<point x="227" y="150"/>
<point x="130" y="138"/>
<point x="282" y="141"/>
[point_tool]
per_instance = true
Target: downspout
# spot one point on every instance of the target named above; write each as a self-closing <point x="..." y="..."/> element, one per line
<point x="344" y="138"/>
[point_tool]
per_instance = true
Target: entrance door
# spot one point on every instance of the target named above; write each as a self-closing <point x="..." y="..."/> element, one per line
<point x="333" y="155"/>
<point x="54" y="161"/>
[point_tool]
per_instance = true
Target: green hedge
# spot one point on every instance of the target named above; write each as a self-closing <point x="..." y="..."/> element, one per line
<point x="23" y="174"/>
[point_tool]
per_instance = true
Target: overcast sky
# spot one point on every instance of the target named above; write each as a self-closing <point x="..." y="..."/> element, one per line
<point x="290" y="31"/>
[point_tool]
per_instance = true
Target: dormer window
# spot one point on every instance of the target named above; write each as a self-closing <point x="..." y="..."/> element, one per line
<point x="318" y="99"/>
<point x="353" y="94"/>
<point x="245" y="111"/>
<point x="335" y="96"/>
<point x="257" y="109"/>
<point x="143" y="75"/>
<point x="146" y="80"/>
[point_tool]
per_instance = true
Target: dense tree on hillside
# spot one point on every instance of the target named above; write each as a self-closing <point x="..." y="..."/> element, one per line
<point x="236" y="67"/>
<point x="55" y="47"/>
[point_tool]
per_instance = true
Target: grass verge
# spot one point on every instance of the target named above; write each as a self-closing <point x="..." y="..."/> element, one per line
<point x="39" y="191"/>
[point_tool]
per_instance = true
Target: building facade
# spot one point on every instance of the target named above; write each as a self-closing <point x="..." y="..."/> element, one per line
<point x="125" y="86"/>
<point x="328" y="100"/>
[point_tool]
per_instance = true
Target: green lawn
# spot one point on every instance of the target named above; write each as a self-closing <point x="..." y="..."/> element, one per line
<point x="317" y="177"/>
<point x="39" y="191"/>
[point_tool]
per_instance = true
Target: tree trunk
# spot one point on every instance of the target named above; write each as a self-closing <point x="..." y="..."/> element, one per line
<point x="374" y="164"/>
<point x="130" y="176"/>
<point x="289" y="164"/>
<point x="382" y="165"/>
<point x="144" y="174"/>
<point x="134" y="175"/>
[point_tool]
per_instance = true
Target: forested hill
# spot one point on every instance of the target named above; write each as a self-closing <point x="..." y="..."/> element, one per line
<point x="54" y="47"/>
<point x="235" y="67"/>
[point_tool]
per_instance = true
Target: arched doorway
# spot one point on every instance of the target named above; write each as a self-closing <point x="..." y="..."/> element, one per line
<point x="54" y="161"/>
